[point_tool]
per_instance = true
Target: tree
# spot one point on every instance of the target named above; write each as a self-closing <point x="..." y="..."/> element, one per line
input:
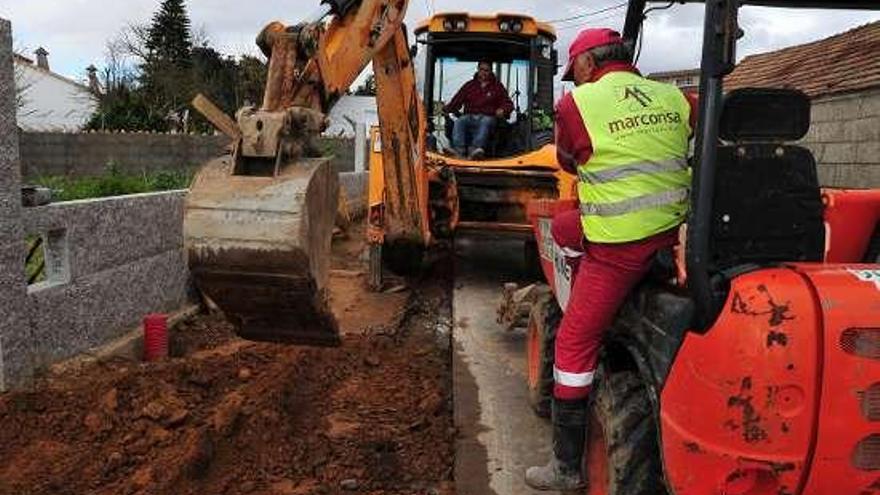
<point x="153" y="71"/>
<point x="165" y="73"/>
<point x="250" y="81"/>
<point x="213" y="75"/>
<point x="122" y="104"/>
<point x="368" y="88"/>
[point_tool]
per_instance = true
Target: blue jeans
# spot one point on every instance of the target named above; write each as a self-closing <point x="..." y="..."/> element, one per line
<point x="478" y="127"/>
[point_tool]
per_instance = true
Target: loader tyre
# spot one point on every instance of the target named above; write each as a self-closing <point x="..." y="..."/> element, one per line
<point x="622" y="455"/>
<point x="544" y="319"/>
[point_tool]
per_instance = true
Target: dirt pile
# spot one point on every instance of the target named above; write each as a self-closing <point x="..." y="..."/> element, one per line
<point x="233" y="417"/>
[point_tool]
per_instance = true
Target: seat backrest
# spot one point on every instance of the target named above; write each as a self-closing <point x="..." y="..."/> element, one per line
<point x="767" y="205"/>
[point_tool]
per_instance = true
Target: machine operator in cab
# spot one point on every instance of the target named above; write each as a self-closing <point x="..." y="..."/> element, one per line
<point x="626" y="137"/>
<point x="484" y="99"/>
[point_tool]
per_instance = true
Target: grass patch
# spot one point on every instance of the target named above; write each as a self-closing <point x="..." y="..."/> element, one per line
<point x="35" y="267"/>
<point x="114" y="183"/>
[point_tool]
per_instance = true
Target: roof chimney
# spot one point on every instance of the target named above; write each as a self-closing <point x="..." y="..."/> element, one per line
<point x="94" y="85"/>
<point x="42" y="58"/>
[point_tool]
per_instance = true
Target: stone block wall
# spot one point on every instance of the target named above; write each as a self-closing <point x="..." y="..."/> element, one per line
<point x="354" y="184"/>
<point x="845" y="139"/>
<point x="89" y="154"/>
<point x="85" y="154"/>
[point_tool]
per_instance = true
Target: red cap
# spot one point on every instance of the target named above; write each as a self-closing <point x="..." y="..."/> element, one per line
<point x="587" y="40"/>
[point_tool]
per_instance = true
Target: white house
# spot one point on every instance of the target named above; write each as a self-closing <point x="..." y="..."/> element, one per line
<point x="349" y="108"/>
<point x="49" y="101"/>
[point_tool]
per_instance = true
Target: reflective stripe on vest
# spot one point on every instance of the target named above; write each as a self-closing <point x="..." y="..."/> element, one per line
<point x="665" y="198"/>
<point x="636" y="182"/>
<point x="630" y="169"/>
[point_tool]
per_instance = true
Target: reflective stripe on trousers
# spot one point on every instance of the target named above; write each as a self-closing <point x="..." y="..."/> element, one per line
<point x="573" y="379"/>
<point x="631" y="205"/>
<point x="630" y="169"/>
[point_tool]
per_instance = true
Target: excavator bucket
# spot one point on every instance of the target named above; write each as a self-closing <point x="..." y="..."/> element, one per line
<point x="259" y="246"/>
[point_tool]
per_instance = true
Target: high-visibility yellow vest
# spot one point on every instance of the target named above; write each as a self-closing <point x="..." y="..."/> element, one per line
<point x="636" y="183"/>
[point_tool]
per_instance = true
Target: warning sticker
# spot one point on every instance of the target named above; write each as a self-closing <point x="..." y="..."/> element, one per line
<point x="872" y="276"/>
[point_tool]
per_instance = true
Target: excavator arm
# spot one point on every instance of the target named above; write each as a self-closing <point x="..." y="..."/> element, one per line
<point x="258" y="223"/>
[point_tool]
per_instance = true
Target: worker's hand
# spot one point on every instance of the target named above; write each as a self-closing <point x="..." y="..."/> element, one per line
<point x="500" y="113"/>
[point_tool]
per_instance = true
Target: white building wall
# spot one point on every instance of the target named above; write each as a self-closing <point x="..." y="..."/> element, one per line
<point x="51" y="103"/>
<point x="359" y="109"/>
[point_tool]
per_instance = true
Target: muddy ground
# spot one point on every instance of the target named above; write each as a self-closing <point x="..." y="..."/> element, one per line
<point x="227" y="416"/>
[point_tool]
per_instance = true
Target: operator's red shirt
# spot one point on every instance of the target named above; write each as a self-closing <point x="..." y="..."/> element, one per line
<point x="481" y="99"/>
<point x="573" y="144"/>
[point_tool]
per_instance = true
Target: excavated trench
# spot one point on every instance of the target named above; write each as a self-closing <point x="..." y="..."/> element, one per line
<point x="228" y="416"/>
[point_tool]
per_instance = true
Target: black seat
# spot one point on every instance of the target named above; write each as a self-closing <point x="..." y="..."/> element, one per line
<point x="767" y="207"/>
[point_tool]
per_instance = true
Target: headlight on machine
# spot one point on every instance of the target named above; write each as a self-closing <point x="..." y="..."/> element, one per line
<point x="504" y="26"/>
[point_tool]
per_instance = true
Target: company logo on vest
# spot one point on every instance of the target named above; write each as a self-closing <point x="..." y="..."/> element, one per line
<point x="638" y="94"/>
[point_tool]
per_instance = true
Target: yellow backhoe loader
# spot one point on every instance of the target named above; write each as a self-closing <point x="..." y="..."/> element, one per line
<point x="259" y="221"/>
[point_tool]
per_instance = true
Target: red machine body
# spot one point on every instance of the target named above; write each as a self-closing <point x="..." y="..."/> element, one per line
<point x="782" y="394"/>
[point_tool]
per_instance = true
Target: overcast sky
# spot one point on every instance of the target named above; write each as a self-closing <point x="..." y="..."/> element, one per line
<point x="75" y="31"/>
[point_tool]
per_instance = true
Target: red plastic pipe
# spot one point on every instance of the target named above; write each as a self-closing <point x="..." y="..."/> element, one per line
<point x="155" y="337"/>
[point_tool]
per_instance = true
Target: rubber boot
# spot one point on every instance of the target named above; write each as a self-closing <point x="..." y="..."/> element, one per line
<point x="564" y="471"/>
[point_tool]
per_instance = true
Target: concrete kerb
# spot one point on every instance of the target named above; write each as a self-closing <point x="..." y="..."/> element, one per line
<point x="130" y="346"/>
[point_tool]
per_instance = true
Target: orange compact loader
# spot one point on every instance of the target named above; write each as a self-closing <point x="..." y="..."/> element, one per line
<point x="754" y="368"/>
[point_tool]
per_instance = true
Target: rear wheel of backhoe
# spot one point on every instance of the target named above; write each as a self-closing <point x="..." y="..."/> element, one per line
<point x="544" y="319"/>
<point x="622" y="455"/>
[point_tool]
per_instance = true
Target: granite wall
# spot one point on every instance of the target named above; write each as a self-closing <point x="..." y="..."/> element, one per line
<point x="109" y="262"/>
<point x="15" y="337"/>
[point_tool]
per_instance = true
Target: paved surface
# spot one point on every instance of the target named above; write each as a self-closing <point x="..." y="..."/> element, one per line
<point x="499" y="435"/>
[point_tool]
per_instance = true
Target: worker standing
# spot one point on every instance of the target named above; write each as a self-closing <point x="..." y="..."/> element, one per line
<point x="626" y="137"/>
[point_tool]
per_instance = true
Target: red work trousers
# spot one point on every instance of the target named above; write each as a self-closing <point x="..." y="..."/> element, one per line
<point x="603" y="275"/>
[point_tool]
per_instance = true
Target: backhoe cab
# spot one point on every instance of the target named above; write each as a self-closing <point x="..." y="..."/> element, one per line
<point x="455" y="194"/>
<point x="522" y="55"/>
<point x="754" y="368"/>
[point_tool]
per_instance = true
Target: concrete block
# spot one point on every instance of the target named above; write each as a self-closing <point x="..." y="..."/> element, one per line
<point x="862" y="130"/>
<point x="827" y="132"/>
<point x="868" y="153"/>
<point x="822" y="111"/>
<point x="838" y="153"/>
<point x="871" y="104"/>
<point x="354" y="185"/>
<point x="838" y="108"/>
<point x="849" y="175"/>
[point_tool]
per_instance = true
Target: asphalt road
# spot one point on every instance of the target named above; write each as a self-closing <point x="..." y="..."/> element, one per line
<point x="499" y="435"/>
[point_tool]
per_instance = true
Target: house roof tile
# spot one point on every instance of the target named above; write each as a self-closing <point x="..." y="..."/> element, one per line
<point x="843" y="63"/>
